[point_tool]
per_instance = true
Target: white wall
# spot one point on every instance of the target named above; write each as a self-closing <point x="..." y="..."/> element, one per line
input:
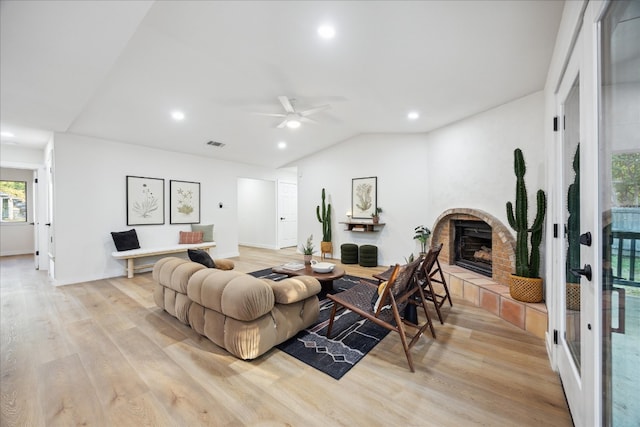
<point x="18" y="238"/>
<point x="257" y="212"/>
<point x="20" y="157"/>
<point x="471" y="162"/>
<point x="467" y="164"/>
<point x="90" y="201"/>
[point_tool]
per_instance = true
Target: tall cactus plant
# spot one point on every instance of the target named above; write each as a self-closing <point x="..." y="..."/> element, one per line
<point x="573" y="221"/>
<point x="324" y="216"/>
<point x="526" y="265"/>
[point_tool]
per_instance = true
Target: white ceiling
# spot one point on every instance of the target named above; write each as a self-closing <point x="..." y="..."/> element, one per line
<point x="116" y="69"/>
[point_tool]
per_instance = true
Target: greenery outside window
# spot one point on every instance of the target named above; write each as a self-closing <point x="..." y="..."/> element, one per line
<point x="13" y="196"/>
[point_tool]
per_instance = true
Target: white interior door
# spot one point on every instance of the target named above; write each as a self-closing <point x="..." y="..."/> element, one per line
<point x="287" y="214"/>
<point x="575" y="291"/>
<point x="35" y="212"/>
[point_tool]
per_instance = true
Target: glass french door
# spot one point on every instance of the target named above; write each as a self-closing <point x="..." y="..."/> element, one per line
<point x="619" y="180"/>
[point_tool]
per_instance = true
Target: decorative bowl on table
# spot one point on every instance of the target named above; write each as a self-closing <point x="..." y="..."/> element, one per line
<point x="322" y="267"/>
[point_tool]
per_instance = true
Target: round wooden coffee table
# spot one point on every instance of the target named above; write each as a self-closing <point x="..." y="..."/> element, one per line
<point x="325" y="279"/>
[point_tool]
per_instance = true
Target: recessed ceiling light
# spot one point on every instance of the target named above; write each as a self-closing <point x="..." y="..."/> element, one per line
<point x="326" y="31"/>
<point x="7" y="134"/>
<point x="293" y="124"/>
<point x="413" y="115"/>
<point x="282" y="145"/>
<point x="177" y="115"/>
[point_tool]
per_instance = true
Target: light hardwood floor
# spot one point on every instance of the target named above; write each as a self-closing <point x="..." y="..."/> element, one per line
<point x="101" y="353"/>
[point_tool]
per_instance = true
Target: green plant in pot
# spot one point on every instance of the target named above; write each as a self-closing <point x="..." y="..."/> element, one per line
<point x="526" y="285"/>
<point x="573" y="236"/>
<point x="324" y="217"/>
<point x="422" y="234"/>
<point x="307" y="249"/>
<point x="375" y="216"/>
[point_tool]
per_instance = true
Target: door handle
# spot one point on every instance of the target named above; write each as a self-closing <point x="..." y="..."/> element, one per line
<point x="585" y="271"/>
<point x="281" y="218"/>
<point x="621" y="310"/>
<point x="585" y="239"/>
<point x="48" y="224"/>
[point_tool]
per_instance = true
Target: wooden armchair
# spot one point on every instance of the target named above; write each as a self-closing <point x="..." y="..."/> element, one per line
<point x="383" y="304"/>
<point x="430" y="273"/>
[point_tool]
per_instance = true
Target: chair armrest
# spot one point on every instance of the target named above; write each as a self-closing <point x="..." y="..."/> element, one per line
<point x="294" y="289"/>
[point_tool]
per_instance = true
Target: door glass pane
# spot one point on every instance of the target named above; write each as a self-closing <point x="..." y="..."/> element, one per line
<point x="619" y="146"/>
<point x="571" y="156"/>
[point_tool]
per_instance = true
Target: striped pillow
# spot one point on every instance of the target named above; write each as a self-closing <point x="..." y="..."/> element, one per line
<point x="190" y="237"/>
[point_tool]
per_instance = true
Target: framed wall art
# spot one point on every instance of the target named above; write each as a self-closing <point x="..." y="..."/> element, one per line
<point x="145" y="200"/>
<point x="364" y="197"/>
<point x="184" y="202"/>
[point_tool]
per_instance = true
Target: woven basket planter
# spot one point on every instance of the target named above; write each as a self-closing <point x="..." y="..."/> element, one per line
<point x="326" y="248"/>
<point x="526" y="289"/>
<point x="573" y="296"/>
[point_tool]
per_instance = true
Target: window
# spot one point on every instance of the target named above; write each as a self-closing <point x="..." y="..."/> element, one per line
<point x="13" y="195"/>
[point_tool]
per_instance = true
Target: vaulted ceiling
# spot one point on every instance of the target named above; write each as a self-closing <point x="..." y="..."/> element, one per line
<point x="117" y="69"/>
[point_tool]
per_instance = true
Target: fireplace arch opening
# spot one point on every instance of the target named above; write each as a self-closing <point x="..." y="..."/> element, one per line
<point x="500" y="250"/>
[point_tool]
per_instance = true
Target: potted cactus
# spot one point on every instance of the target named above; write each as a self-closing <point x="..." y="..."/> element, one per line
<point x="526" y="285"/>
<point x="324" y="217"/>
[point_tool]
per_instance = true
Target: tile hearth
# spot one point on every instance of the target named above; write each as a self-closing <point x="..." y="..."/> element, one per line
<point x="483" y="292"/>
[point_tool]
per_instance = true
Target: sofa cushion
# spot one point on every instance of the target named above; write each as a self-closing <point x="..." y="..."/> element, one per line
<point x="207" y="231"/>
<point x="294" y="289"/>
<point x="190" y="237"/>
<point x="201" y="257"/>
<point x="125" y="240"/>
<point x="232" y="293"/>
<point x="174" y="273"/>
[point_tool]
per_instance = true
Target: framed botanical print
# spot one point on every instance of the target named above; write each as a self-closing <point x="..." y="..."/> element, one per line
<point x="364" y="197"/>
<point x="184" y="202"/>
<point x="145" y="200"/>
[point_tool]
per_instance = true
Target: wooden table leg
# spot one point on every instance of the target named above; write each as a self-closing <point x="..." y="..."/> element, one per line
<point x="130" y="268"/>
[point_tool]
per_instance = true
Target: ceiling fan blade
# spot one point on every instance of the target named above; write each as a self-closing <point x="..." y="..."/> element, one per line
<point x="313" y="110"/>
<point x="282" y="124"/>
<point x="270" y="114"/>
<point x="286" y="104"/>
<point x="307" y="120"/>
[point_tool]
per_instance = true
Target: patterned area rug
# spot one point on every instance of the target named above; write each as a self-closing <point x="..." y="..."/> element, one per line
<point x="353" y="337"/>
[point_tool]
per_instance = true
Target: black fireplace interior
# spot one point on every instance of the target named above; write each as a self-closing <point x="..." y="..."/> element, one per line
<point x="472" y="245"/>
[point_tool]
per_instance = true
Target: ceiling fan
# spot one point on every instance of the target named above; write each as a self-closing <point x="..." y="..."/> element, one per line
<point x="292" y="118"/>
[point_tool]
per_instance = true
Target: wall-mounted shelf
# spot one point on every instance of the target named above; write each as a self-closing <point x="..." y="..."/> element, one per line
<point x="362" y="227"/>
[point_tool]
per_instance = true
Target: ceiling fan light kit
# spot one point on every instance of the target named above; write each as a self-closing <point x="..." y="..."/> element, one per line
<point x="292" y="118"/>
<point x="293" y="123"/>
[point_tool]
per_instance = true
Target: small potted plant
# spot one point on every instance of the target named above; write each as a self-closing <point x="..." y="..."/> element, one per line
<point x="422" y="234"/>
<point x="307" y="249"/>
<point x="375" y="215"/>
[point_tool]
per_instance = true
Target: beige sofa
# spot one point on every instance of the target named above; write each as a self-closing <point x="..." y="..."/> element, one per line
<point x="245" y="315"/>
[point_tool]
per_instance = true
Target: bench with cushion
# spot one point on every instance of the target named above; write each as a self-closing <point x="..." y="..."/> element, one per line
<point x="132" y="254"/>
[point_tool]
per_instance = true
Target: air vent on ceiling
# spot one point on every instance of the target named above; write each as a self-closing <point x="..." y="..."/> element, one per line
<point x="216" y="144"/>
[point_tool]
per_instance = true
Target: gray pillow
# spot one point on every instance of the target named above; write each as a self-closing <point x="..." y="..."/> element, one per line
<point x="207" y="231"/>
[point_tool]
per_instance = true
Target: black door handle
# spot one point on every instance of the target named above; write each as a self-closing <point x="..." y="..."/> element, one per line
<point x="281" y="218"/>
<point x="585" y="239"/>
<point x="585" y="271"/>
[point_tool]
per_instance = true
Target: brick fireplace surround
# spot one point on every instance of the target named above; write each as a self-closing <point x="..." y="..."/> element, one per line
<point x="490" y="294"/>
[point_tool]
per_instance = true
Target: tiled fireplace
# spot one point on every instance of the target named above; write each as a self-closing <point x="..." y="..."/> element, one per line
<point x="502" y="241"/>
<point x="489" y="293"/>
